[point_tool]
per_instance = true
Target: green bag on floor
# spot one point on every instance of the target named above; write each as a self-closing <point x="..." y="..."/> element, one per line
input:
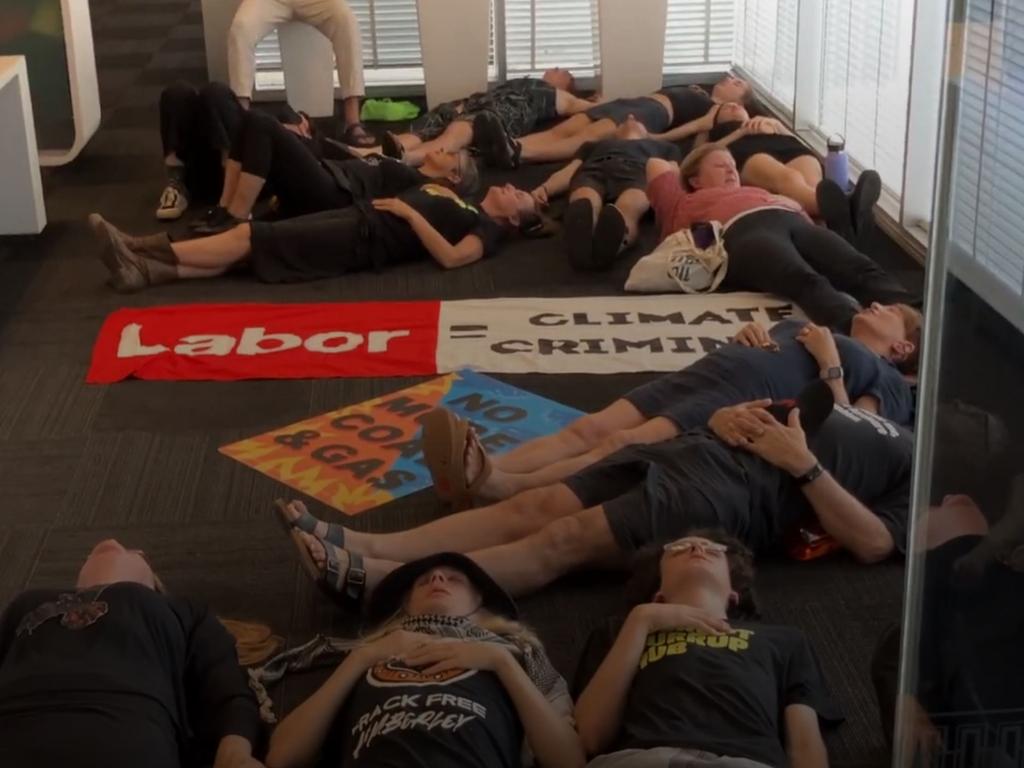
<point x="388" y="111"/>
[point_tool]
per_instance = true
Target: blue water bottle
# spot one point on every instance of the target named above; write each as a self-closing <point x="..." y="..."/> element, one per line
<point x="837" y="167"/>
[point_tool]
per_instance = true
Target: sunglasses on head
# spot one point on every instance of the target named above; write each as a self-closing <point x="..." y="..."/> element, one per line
<point x="688" y="544"/>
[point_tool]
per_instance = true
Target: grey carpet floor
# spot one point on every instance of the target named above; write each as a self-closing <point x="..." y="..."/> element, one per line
<point x="138" y="460"/>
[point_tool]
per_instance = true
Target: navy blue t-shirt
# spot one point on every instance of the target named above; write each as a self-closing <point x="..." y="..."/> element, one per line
<point x="736" y="373"/>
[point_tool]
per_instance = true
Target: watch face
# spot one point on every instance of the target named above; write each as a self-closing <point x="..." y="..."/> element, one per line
<point x="832" y="373"/>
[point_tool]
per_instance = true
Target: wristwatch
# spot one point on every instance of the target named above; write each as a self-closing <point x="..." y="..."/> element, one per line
<point x="833" y="373"/>
<point x="810" y="475"/>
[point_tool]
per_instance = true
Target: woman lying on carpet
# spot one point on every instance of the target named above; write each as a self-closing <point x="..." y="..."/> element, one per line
<point x="449" y="680"/>
<point x="772" y="243"/>
<point x="116" y="673"/>
<point x="607" y="197"/>
<point x="767" y="155"/>
<point x="309" y="175"/>
<point x="427" y="221"/>
<point x="686" y="109"/>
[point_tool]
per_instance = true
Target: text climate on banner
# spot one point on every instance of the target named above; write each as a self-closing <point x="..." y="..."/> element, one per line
<point x="603" y="334"/>
<point x="365" y="455"/>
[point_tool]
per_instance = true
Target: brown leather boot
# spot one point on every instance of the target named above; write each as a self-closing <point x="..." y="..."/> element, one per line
<point x="134" y="262"/>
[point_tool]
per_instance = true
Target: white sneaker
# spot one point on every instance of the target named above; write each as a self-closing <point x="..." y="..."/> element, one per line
<point x="173" y="203"/>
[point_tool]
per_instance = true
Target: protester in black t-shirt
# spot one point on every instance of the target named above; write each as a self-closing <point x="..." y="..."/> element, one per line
<point x="868" y="368"/>
<point x="687" y="679"/>
<point x="449" y="680"/>
<point x="746" y="473"/>
<point x="769" y="156"/>
<point x="309" y="173"/>
<point x="607" y="193"/>
<point x="428" y="221"/>
<point x="115" y="673"/>
<point x="689" y="110"/>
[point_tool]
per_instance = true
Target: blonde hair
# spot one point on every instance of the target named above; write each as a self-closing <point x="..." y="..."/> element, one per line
<point x="517" y="633"/>
<point x="691" y="164"/>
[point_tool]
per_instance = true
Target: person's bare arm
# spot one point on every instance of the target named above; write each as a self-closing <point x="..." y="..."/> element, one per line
<point x="557" y="183"/>
<point x="466" y="251"/>
<point x="567" y="104"/>
<point x="840" y="513"/>
<point x="821" y="344"/>
<point x="804" y="745"/>
<point x="702" y="125"/>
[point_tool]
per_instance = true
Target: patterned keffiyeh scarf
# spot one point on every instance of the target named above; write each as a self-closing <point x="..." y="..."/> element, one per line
<point x="323" y="650"/>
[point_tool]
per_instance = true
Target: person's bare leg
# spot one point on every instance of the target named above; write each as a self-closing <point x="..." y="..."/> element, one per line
<point x="232" y="172"/>
<point x="375" y="569"/>
<point x="768" y="173"/>
<point x="211" y="256"/>
<point x="653" y="431"/>
<point x="632" y="204"/>
<point x="564" y="129"/>
<point x="541" y="148"/>
<point x="499" y="523"/>
<point x="577" y="438"/>
<point x="247" y="189"/>
<point x="455" y="137"/>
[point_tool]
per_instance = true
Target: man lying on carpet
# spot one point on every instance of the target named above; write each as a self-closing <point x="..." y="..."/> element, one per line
<point x="519" y="106"/>
<point x="866" y="368"/>
<point x="424" y="222"/>
<point x="116" y="673"/>
<point x="688" y="678"/>
<point x="772" y="243"/>
<point x="450" y="679"/>
<point x="606" y="185"/>
<point x="686" y="110"/>
<point x="753" y="476"/>
<point x="309" y="175"/>
<point x="767" y="155"/>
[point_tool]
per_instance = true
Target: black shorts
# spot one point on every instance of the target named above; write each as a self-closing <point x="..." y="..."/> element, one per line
<point x="650" y="112"/>
<point x="311" y="247"/>
<point x="646" y="505"/>
<point x="609" y="177"/>
<point x="782" y="148"/>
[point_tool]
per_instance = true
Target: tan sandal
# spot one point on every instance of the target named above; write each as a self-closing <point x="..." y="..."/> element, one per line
<point x="445" y="437"/>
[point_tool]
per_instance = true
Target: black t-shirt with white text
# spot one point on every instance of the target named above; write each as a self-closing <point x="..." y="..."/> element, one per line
<point x="723" y="694"/>
<point x="398" y="718"/>
<point x="395" y="241"/>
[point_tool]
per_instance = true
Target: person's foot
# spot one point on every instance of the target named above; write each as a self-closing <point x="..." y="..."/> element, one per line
<point x="173" y="202"/>
<point x="297" y="515"/>
<point x="865" y="194"/>
<point x="610" y="237"/>
<point x="834" y="209"/>
<point x="578" y="234"/>
<point x="391" y="146"/>
<point x="356" y="135"/>
<point x="216" y="220"/>
<point x="134" y="263"/>
<point x="495" y="145"/>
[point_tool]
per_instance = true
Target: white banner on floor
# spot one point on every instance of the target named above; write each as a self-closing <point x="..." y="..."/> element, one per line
<point x="602" y="334"/>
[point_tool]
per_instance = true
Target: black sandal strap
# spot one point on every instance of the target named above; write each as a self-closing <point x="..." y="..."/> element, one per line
<point x="355" y="584"/>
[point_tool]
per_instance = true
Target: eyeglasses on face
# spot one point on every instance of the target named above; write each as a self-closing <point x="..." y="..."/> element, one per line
<point x="689" y="544"/>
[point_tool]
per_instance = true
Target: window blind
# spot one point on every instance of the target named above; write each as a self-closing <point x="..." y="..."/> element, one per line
<point x="865" y="81"/>
<point x="987" y="225"/>
<point x="550" y="33"/>
<point x="699" y="33"/>
<point x="765" y="46"/>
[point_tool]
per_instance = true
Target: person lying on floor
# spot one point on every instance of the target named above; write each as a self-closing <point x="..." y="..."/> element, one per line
<point x="686" y="110"/>
<point x="428" y="221"/>
<point x="772" y="243"/>
<point x="519" y="105"/>
<point x="607" y="197"/>
<point x="690" y="678"/>
<point x="309" y="174"/>
<point x="197" y="127"/>
<point x="767" y="155"/>
<point x="867" y="368"/>
<point x="746" y="472"/>
<point x="449" y="679"/>
<point x="115" y="672"/>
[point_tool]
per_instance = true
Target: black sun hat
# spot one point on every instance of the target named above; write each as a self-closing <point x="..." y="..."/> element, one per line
<point x="387" y="598"/>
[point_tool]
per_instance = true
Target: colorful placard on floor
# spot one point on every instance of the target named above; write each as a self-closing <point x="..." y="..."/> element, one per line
<point x="364" y="455"/>
<point x="593" y="334"/>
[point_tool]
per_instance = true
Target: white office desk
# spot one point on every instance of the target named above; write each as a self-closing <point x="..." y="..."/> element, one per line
<point x="21" y="189"/>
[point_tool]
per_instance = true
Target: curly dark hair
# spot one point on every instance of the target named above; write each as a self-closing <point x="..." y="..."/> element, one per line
<point x="646" y="579"/>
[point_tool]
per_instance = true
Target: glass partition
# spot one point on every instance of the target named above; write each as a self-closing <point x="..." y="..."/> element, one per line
<point x="960" y="700"/>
